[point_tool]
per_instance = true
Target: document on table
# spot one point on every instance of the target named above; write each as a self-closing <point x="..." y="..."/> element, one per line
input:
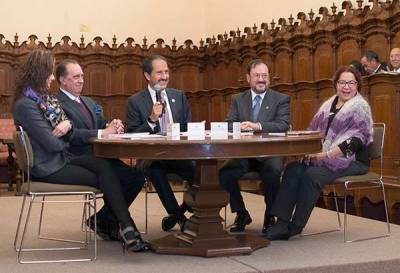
<point x="298" y="133"/>
<point x="208" y="133"/>
<point x="145" y="135"/>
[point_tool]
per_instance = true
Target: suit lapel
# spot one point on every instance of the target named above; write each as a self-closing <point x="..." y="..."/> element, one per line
<point x="172" y="103"/>
<point x="73" y="110"/>
<point x="147" y="101"/>
<point x="266" y="105"/>
<point x="249" y="103"/>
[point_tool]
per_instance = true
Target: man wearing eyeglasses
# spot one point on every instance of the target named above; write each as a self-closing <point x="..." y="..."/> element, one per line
<point x="395" y="59"/>
<point x="258" y="109"/>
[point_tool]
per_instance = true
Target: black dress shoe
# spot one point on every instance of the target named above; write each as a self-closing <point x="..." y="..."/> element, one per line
<point x="183" y="223"/>
<point x="269" y="221"/>
<point x="241" y="220"/>
<point x="104" y="229"/>
<point x="279" y="231"/>
<point x="168" y="222"/>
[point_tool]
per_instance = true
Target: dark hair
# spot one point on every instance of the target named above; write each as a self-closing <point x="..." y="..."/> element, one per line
<point x="253" y="64"/>
<point x="357" y="65"/>
<point x="61" y="69"/>
<point x="371" y="55"/>
<point x="351" y="70"/>
<point x="147" y="64"/>
<point x="35" y="71"/>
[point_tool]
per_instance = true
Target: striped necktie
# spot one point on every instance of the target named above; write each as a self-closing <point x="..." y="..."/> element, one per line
<point x="256" y="108"/>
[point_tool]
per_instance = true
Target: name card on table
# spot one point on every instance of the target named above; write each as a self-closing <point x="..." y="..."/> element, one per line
<point x="236" y="130"/>
<point x="196" y="130"/>
<point x="173" y="130"/>
<point x="219" y="130"/>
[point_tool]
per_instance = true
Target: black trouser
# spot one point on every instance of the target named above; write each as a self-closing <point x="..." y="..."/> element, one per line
<point x="301" y="187"/>
<point x="98" y="173"/>
<point x="270" y="172"/>
<point x="131" y="182"/>
<point x="158" y="176"/>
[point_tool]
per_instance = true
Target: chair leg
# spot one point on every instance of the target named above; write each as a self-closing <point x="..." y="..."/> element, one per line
<point x="19" y="223"/>
<point x="88" y="199"/>
<point x="345" y="215"/>
<point x="20" y="249"/>
<point x="41" y="217"/>
<point x="95" y="224"/>
<point x="338" y="218"/>
<point x="346" y="240"/>
<point x="84" y="215"/>
<point x="146" y="192"/>
<point x="337" y="208"/>
<point x="386" y="209"/>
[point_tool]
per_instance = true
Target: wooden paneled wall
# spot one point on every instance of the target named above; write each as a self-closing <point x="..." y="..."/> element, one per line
<point x="302" y="55"/>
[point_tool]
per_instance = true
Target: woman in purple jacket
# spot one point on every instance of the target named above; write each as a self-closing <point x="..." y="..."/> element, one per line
<point x="345" y="125"/>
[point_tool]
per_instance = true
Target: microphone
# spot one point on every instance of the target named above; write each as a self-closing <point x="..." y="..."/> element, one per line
<point x="157" y="88"/>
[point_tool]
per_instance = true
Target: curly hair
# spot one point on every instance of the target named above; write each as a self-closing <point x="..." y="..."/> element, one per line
<point x="35" y="70"/>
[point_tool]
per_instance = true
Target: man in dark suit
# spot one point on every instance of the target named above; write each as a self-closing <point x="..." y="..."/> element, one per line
<point x="146" y="111"/>
<point x="371" y="63"/>
<point x="259" y="109"/>
<point x="88" y="121"/>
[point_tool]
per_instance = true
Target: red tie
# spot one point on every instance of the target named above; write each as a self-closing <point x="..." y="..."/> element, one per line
<point x="85" y="112"/>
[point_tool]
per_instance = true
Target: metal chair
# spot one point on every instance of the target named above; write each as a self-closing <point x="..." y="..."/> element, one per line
<point x="35" y="189"/>
<point x="365" y="181"/>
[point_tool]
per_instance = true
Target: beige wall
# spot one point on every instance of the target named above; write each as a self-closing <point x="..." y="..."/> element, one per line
<point x="230" y="14"/>
<point x="183" y="19"/>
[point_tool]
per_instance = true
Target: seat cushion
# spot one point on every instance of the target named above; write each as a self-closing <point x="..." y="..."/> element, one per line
<point x="358" y="178"/>
<point x="50" y="187"/>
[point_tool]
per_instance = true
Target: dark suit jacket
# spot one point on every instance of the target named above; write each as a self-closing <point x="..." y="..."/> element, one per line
<point x="274" y="114"/>
<point x="83" y="130"/>
<point x="140" y="106"/>
<point x="50" y="152"/>
<point x="382" y="67"/>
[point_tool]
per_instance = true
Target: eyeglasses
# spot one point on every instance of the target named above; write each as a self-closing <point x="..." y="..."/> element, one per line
<point x="395" y="57"/>
<point x="342" y="83"/>
<point x="256" y="75"/>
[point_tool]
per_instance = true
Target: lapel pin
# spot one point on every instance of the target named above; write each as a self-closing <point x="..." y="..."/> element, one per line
<point x="173" y="100"/>
<point x="267" y="107"/>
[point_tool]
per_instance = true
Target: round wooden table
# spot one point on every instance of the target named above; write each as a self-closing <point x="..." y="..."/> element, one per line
<point x="205" y="235"/>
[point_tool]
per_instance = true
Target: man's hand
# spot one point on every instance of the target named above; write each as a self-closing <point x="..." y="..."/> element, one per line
<point x="114" y="127"/>
<point x="249" y="126"/>
<point x="119" y="126"/>
<point x="156" y="112"/>
<point x="62" y="128"/>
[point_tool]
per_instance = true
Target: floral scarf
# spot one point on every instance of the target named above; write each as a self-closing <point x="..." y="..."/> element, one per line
<point x="49" y="105"/>
<point x="353" y="120"/>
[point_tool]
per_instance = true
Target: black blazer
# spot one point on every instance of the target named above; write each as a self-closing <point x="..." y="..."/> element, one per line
<point x="274" y="115"/>
<point x="140" y="106"/>
<point x="83" y="130"/>
<point x="50" y="153"/>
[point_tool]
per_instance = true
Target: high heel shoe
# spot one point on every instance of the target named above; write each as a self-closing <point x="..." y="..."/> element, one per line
<point x="132" y="241"/>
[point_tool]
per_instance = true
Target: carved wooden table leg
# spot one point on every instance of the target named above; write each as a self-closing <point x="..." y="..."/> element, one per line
<point x="205" y="235"/>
